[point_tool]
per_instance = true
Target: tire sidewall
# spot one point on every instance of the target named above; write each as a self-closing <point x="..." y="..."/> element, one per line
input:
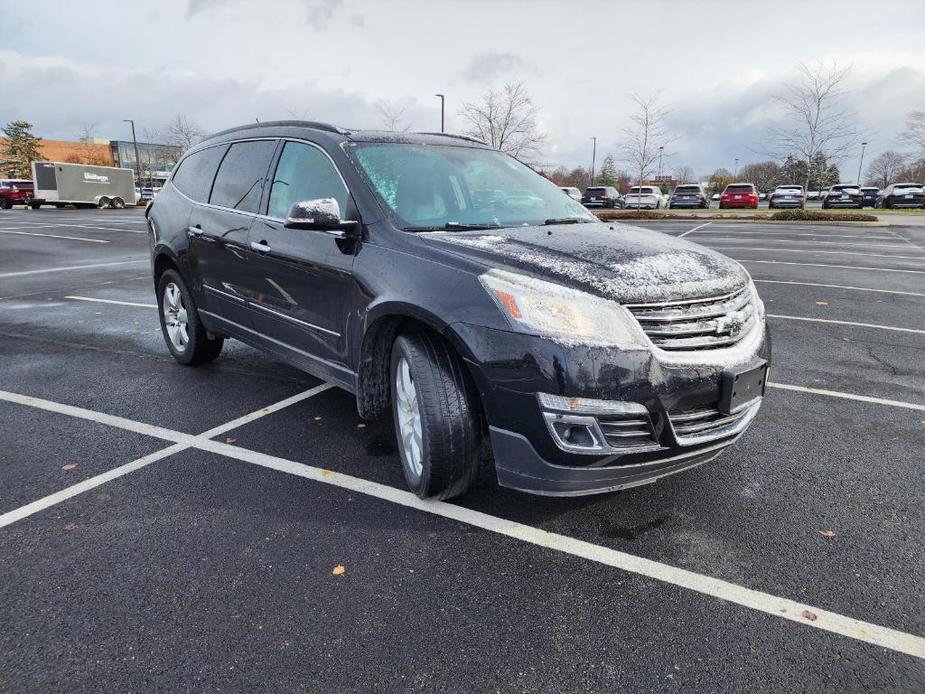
<point x="419" y="484"/>
<point x="187" y="355"/>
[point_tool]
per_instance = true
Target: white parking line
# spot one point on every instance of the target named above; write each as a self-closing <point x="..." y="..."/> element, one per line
<point x="53" y="236"/>
<point x="840" y="286"/>
<point x="110" y="301"/>
<point x="690" y="231"/>
<point x="846" y="322"/>
<point x="736" y="234"/>
<point x="759" y="601"/>
<point x="69" y="268"/>
<point x="843" y="267"/>
<point x="808" y="251"/>
<point x="184" y="441"/>
<point x="808" y="241"/>
<point x="847" y="396"/>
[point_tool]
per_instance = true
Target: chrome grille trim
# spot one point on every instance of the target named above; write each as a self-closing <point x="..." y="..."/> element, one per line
<point x="709" y="424"/>
<point x="698" y="324"/>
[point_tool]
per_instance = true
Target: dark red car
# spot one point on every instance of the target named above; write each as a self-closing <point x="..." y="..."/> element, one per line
<point x="15" y="192"/>
<point x="739" y="195"/>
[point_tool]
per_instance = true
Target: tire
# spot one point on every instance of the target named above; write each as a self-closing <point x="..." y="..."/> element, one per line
<point x="189" y="343"/>
<point x="117" y="203"/>
<point x="35" y="205"/>
<point x="59" y="207"/>
<point x="102" y="203"/>
<point x="428" y="380"/>
<point x="7" y="204"/>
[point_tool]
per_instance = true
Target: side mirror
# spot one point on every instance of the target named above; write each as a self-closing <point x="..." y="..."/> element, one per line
<point x="322" y="214"/>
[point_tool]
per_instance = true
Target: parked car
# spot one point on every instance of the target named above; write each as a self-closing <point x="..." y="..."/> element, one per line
<point x="364" y="259"/>
<point x="902" y="195"/>
<point x="787" y="196"/>
<point x="843" y="195"/>
<point x="812" y="194"/>
<point x="573" y="193"/>
<point x="15" y="191"/>
<point x="714" y="197"/>
<point x="649" y="197"/>
<point x="739" y="195"/>
<point x="869" y="196"/>
<point x="602" y="196"/>
<point x="689" y="195"/>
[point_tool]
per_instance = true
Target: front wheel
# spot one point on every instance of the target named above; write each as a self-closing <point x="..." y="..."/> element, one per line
<point x="436" y="417"/>
<point x="185" y="335"/>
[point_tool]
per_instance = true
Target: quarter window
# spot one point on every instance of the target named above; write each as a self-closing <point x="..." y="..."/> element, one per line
<point x="239" y="182"/>
<point x="194" y="176"/>
<point x="304" y="173"/>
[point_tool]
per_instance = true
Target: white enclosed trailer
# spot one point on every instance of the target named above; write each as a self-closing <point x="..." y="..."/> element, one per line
<point x="59" y="184"/>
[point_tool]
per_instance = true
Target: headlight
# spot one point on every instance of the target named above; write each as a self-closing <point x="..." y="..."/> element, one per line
<point x="569" y="316"/>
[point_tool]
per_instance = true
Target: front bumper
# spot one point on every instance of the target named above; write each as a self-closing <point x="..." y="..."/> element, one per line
<point x="510" y="369"/>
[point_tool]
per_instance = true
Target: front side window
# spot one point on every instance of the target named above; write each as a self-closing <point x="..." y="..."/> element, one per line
<point x="304" y="173"/>
<point x="195" y="175"/>
<point x="239" y="182"/>
<point x="443" y="186"/>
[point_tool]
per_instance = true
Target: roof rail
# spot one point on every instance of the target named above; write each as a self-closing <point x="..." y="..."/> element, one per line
<point x="282" y="123"/>
<point x="458" y="137"/>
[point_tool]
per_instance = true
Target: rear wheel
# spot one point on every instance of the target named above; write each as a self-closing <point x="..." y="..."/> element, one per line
<point x="184" y="333"/>
<point x="102" y="203"/>
<point x="7" y="204"/>
<point x="436" y="418"/>
<point x="117" y="203"/>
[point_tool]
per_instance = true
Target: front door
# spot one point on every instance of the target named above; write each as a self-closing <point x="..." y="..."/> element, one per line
<point x="301" y="282"/>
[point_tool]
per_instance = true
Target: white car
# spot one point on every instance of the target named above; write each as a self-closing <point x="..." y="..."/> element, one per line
<point x="649" y="197"/>
<point x="573" y="193"/>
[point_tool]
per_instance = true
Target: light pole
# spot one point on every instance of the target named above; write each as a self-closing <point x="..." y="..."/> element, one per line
<point x="735" y="171"/>
<point x="863" y="147"/>
<point x="441" y="111"/>
<point x="660" y="151"/>
<point x="593" y="157"/>
<point x="135" y="143"/>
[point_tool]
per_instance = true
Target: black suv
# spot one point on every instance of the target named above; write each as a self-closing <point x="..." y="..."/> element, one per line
<point x="602" y="196"/>
<point x="689" y="195"/>
<point x="450" y="284"/>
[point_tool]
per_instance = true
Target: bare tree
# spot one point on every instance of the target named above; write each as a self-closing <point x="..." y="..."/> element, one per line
<point x="685" y="174"/>
<point x="392" y="115"/>
<point x="764" y="174"/>
<point x="89" y="150"/>
<point x="885" y="168"/>
<point x="915" y="131"/>
<point x="183" y="133"/>
<point x="816" y="121"/>
<point x="506" y="120"/>
<point x="646" y="133"/>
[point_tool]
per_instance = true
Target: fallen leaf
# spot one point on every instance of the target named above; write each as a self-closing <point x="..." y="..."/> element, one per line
<point x="827" y="533"/>
<point x="338" y="570"/>
<point x="317" y="419"/>
<point x="361" y="426"/>
<point x="69" y="466"/>
<point x="231" y="439"/>
<point x="811" y="616"/>
<point x="822" y="303"/>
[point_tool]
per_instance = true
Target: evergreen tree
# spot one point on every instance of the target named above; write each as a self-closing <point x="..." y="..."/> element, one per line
<point x="608" y="175"/>
<point x="22" y="147"/>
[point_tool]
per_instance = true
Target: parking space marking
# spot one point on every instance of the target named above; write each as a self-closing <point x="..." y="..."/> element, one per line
<point x="69" y="268"/>
<point x="90" y="226"/>
<point x="808" y="251"/>
<point x="110" y="301"/>
<point x="690" y="231"/>
<point x="847" y="396"/>
<point x="848" y="322"/>
<point x="735" y="234"/>
<point x="182" y="443"/>
<point x="842" y="267"/>
<point x="809" y="241"/>
<point x="53" y="236"/>
<point x="840" y="286"/>
<point x="759" y="601"/>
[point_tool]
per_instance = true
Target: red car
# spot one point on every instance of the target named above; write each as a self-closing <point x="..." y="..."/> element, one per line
<point x="15" y="192"/>
<point x="739" y="195"/>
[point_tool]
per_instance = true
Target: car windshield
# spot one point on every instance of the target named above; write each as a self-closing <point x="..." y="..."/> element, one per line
<point x="635" y="190"/>
<point x="427" y="187"/>
<point x="739" y="189"/>
<point x="687" y="189"/>
<point x="596" y="191"/>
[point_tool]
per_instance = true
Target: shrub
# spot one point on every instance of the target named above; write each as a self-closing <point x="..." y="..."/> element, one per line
<point x="817" y="216"/>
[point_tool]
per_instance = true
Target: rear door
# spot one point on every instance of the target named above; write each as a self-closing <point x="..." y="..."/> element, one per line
<point x="218" y="231"/>
<point x="301" y="283"/>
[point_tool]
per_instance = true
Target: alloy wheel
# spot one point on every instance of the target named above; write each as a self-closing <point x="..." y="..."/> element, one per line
<point x="409" y="417"/>
<point x="175" y="318"/>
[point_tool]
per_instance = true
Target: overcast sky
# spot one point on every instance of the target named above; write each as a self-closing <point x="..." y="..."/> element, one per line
<point x="226" y="62"/>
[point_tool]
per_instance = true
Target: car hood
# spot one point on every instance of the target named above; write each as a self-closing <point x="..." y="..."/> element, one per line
<point x="614" y="261"/>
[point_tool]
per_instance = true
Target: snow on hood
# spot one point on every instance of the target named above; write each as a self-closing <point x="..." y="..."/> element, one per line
<point x="615" y="261"/>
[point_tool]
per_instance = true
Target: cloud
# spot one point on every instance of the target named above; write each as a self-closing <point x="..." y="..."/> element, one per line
<point x="317" y="13"/>
<point x="487" y="67"/>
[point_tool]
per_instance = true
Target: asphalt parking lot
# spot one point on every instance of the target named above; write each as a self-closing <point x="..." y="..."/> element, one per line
<point x="237" y="526"/>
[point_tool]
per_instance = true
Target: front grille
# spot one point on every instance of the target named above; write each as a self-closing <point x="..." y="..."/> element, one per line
<point x="703" y="422"/>
<point x="626" y="432"/>
<point x="697" y="324"/>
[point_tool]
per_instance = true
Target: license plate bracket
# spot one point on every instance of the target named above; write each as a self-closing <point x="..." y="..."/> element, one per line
<point x="741" y="386"/>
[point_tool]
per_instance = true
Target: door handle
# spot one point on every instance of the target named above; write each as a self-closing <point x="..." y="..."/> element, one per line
<point x="260" y="246"/>
<point x="195" y="231"/>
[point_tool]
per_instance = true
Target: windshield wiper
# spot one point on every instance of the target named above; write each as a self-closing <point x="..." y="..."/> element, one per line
<point x="469" y="227"/>
<point x="567" y="220"/>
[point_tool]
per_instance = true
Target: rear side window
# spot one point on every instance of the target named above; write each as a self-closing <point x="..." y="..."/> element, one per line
<point x="239" y="182"/>
<point x="194" y="176"/>
<point x="304" y="173"/>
